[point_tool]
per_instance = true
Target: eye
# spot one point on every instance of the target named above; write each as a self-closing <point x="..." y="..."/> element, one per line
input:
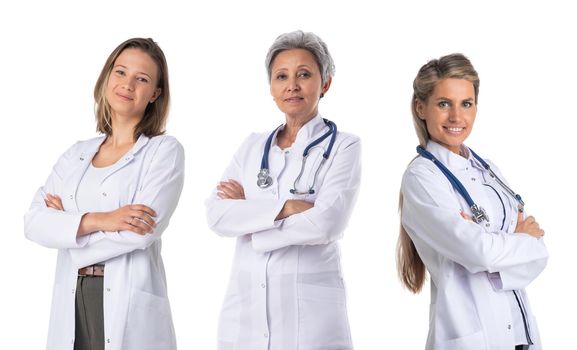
<point x="119" y="72"/>
<point x="444" y="104"/>
<point x="304" y="74"/>
<point x="142" y="79"/>
<point x="280" y="76"/>
<point x="467" y="104"/>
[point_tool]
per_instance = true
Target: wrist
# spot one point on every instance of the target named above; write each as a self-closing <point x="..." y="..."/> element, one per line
<point x="88" y="224"/>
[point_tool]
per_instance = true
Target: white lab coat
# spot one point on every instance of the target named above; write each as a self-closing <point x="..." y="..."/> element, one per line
<point x="136" y="309"/>
<point x="473" y="267"/>
<point x="286" y="289"/>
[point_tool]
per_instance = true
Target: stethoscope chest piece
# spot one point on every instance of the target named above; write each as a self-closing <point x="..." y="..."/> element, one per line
<point x="264" y="180"/>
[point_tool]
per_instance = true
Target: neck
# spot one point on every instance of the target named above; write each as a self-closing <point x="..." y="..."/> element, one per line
<point x="122" y="131"/>
<point x="294" y="124"/>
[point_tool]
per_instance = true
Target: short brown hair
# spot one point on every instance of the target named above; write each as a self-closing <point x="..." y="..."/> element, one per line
<point x="153" y="122"/>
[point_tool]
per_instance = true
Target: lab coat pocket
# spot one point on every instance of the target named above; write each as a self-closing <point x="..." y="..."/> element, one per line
<point x="475" y="341"/>
<point x="149" y="324"/>
<point x="322" y="320"/>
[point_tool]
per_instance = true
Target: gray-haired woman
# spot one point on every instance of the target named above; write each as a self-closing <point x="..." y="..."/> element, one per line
<point x="287" y="197"/>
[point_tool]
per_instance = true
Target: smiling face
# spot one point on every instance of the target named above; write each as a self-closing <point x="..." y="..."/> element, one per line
<point x="296" y="84"/>
<point x="449" y="112"/>
<point x="132" y="84"/>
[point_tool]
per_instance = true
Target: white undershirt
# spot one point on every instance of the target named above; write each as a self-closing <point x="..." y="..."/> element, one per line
<point x="87" y="195"/>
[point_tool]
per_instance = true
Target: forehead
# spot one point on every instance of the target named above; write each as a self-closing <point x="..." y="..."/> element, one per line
<point x="294" y="57"/>
<point x="137" y="60"/>
<point x="454" y="89"/>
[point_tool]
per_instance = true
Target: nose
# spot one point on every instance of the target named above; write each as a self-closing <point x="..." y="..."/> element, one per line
<point x="455" y="114"/>
<point x="129" y="84"/>
<point x="292" y="85"/>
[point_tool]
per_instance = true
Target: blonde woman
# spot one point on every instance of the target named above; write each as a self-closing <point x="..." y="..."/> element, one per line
<point x="462" y="222"/>
<point x="105" y="206"/>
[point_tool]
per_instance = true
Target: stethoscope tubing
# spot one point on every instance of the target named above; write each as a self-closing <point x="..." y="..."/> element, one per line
<point x="264" y="179"/>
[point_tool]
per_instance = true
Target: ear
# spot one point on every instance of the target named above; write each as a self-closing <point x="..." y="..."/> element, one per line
<point x="156" y="94"/>
<point x="326" y="86"/>
<point x="420" y="108"/>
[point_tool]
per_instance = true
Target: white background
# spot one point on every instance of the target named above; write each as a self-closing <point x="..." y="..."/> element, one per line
<point x="51" y="55"/>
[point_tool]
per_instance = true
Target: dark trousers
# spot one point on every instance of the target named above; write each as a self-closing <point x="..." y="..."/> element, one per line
<point x="89" y="314"/>
<point x="522" y="347"/>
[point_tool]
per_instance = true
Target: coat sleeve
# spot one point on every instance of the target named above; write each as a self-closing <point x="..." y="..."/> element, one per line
<point x="233" y="218"/>
<point x="518" y="276"/>
<point x="431" y="214"/>
<point x="50" y="227"/>
<point x="160" y="190"/>
<point x="327" y="220"/>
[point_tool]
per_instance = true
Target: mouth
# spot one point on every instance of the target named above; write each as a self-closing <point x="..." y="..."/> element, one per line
<point x="293" y="99"/>
<point x="124" y="97"/>
<point x="454" y="130"/>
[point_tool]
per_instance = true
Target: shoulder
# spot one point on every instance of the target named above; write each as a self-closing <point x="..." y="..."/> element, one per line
<point x="83" y="147"/>
<point x="164" y="145"/>
<point x="165" y="142"/>
<point x="254" y="141"/>
<point x="346" y="139"/>
<point x="422" y="170"/>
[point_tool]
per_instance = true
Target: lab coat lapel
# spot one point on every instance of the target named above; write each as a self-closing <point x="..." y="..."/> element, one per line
<point x="128" y="157"/>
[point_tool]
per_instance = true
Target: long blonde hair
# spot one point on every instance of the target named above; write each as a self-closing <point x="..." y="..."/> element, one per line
<point x="410" y="267"/>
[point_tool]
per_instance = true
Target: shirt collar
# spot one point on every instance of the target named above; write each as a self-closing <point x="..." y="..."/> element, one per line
<point x="95" y="144"/>
<point x="451" y="160"/>
<point x="308" y="131"/>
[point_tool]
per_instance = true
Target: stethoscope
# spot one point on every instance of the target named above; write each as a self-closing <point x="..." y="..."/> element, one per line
<point x="479" y="214"/>
<point x="264" y="180"/>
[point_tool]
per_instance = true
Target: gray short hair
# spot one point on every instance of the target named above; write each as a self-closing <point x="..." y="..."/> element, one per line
<point x="306" y="41"/>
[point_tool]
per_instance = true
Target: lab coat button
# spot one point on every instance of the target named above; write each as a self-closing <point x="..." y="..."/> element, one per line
<point x="73" y="291"/>
<point x="473" y="179"/>
<point x="508" y="326"/>
<point x="266" y="335"/>
<point x="108" y="289"/>
<point x="108" y="340"/>
<point x="104" y="194"/>
<point x="273" y="191"/>
<point x="487" y="224"/>
<point x="71" y="197"/>
<point x="262" y="285"/>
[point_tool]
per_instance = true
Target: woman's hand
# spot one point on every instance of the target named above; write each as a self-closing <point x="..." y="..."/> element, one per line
<point x="528" y="226"/>
<point x="293" y="206"/>
<point x="230" y="189"/>
<point x="53" y="201"/>
<point x="136" y="218"/>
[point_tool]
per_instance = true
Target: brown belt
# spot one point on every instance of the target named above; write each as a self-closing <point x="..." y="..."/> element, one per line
<point x="92" y="270"/>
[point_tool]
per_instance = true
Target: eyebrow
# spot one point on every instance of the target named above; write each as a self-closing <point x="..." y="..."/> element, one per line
<point x="298" y="67"/>
<point x="449" y="99"/>
<point x="120" y="65"/>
